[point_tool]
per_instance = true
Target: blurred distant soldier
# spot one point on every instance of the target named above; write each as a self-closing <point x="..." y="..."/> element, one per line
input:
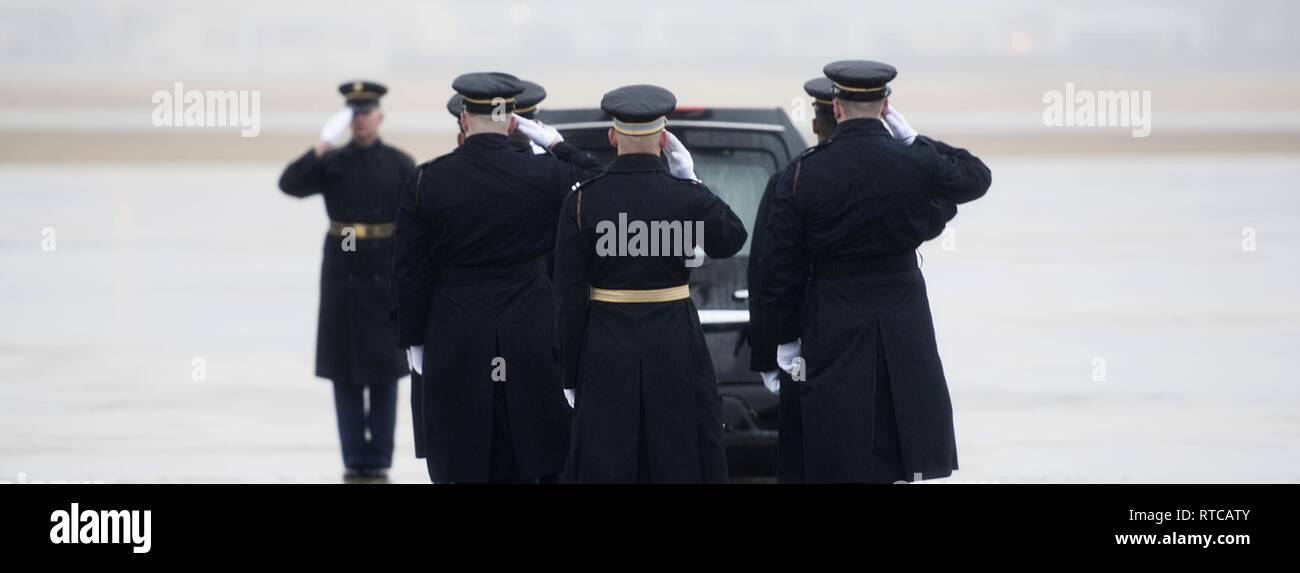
<point x="473" y="299"/>
<point x="355" y="343"/>
<point x="842" y="294"/>
<point x="762" y="358"/>
<point x="648" y="409"/>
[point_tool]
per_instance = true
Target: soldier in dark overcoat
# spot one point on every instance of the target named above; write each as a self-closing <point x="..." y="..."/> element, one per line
<point x="844" y="299"/>
<point x="355" y="345"/>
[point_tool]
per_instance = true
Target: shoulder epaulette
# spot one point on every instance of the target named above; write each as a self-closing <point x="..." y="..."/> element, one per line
<point x="577" y="197"/>
<point x="798" y="162"/>
<point x="814" y="149"/>
<point x="691" y="181"/>
<point x="586" y="181"/>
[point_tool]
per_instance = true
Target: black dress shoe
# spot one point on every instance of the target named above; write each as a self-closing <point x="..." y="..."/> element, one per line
<point x="354" y="475"/>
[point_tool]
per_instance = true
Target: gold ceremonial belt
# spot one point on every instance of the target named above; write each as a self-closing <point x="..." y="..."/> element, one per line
<point x="363" y="230"/>
<point x="652" y="295"/>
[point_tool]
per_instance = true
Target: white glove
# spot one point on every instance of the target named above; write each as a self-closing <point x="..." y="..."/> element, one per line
<point x="538" y="132"/>
<point x="898" y="126"/>
<point x="680" y="163"/>
<point x="537" y="149"/>
<point x="415" y="359"/>
<point x="772" y="380"/>
<point x="570" y="395"/>
<point x="336" y="126"/>
<point x="787" y="353"/>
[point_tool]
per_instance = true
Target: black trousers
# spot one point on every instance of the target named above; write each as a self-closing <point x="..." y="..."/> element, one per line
<point x="366" y="430"/>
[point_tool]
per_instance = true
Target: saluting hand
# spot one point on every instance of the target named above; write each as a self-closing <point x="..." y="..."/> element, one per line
<point x="898" y="125"/>
<point x="538" y="132"/>
<point x="334" y="128"/>
<point x="680" y="162"/>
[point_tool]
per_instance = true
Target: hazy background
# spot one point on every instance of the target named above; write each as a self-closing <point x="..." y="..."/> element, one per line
<point x="1212" y="66"/>
<point x="173" y="243"/>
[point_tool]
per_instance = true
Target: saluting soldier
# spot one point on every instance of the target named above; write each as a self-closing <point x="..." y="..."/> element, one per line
<point x="454" y="107"/>
<point x="355" y="344"/>
<point x="473" y="300"/>
<point x="525" y="106"/>
<point x="647" y="400"/>
<point x="762" y="357"/>
<point x="843" y="296"/>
